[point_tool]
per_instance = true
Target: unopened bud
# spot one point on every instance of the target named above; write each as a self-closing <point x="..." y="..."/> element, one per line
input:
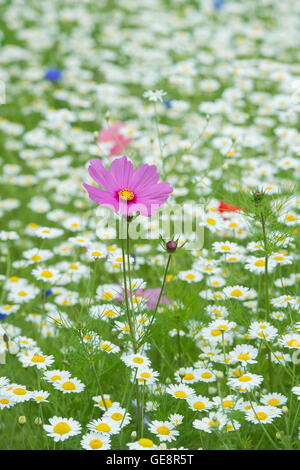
<point x="285" y="409"/>
<point x="133" y="435"/>
<point x="22" y="419"/>
<point x="162" y="446"/>
<point x="13" y="348"/>
<point x="171" y="246"/>
<point x="38" y="421"/>
<point x="181" y="371"/>
<point x="220" y="375"/>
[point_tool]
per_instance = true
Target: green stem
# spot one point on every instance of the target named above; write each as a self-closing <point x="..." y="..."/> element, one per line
<point x="157" y="304"/>
<point x="267" y="299"/>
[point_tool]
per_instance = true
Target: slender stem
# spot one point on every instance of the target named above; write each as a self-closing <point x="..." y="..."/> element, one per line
<point x="158" y="301"/>
<point x="138" y="409"/>
<point x="267" y="299"/>
<point x="92" y="365"/>
<point x="126" y="293"/>
<point x="179" y="346"/>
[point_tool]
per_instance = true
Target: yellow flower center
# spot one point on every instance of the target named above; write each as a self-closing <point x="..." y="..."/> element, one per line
<point x="216" y="332"/>
<point x="107" y="401"/>
<point x="260" y="262"/>
<point x="55" y="377"/>
<point x="109" y="313"/>
<point x="244" y="357"/>
<point x="227" y="403"/>
<point x="261" y="415"/>
<point x="294" y="343"/>
<point x="138" y="360"/>
<point x="126" y="195"/>
<point x="211" y="221"/>
<point x="214" y="423"/>
<point x="103" y="427"/>
<point x="68" y="386"/>
<point x="199" y="405"/>
<point x="22" y="293"/>
<point x="36" y="258"/>
<point x="73" y="266"/>
<point x="274" y="402"/>
<point x="96" y="253"/>
<point x="107" y="295"/>
<point x="96" y="444"/>
<point x="19" y="391"/>
<point x="236" y="293"/>
<point x="4" y="401"/>
<point x="180" y="394"/>
<point x="62" y="428"/>
<point x="39" y="398"/>
<point x="145" y="375"/>
<point x="145" y="442"/>
<point x="37" y="358"/>
<point x="106" y="347"/>
<point x="163" y="430"/>
<point x="117" y="416"/>
<point x="206" y="375"/>
<point x="188" y="376"/>
<point x="14" y="279"/>
<point x="190" y="276"/>
<point x="245" y="378"/>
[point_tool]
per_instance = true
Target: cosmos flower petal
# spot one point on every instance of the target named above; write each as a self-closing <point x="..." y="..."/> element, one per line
<point x="102" y="197"/>
<point x="102" y="176"/>
<point x="145" y="176"/>
<point x="122" y="171"/>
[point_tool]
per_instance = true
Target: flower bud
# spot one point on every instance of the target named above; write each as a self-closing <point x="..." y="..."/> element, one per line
<point x="284" y="409"/>
<point x="162" y="446"/>
<point x="22" y="419"/>
<point x="38" y="420"/>
<point x="171" y="246"/>
<point x="220" y="375"/>
<point x="13" y="348"/>
<point x="133" y="435"/>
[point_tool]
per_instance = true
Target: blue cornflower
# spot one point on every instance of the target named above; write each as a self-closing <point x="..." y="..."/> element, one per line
<point x="53" y="74"/>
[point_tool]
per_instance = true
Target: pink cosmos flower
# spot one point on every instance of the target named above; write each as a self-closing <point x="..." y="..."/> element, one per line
<point x="150" y="296"/>
<point x="118" y="141"/>
<point x="127" y="190"/>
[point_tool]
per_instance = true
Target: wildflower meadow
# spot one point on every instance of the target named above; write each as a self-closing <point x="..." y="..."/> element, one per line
<point x="149" y="225"/>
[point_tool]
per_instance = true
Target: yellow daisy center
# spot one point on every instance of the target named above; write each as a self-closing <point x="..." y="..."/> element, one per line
<point x="163" y="430"/>
<point x="261" y="415"/>
<point x="259" y="262"/>
<point x="37" y="358"/>
<point x="117" y="416"/>
<point x="199" y="405"/>
<point x="68" y="386"/>
<point x="206" y="375"/>
<point x="145" y="442"/>
<point x="103" y="427"/>
<point x="236" y="293"/>
<point x="274" y="402"/>
<point x="188" y="376"/>
<point x="227" y="403"/>
<point x="62" y="428"/>
<point x="96" y="444"/>
<point x="4" y="401"/>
